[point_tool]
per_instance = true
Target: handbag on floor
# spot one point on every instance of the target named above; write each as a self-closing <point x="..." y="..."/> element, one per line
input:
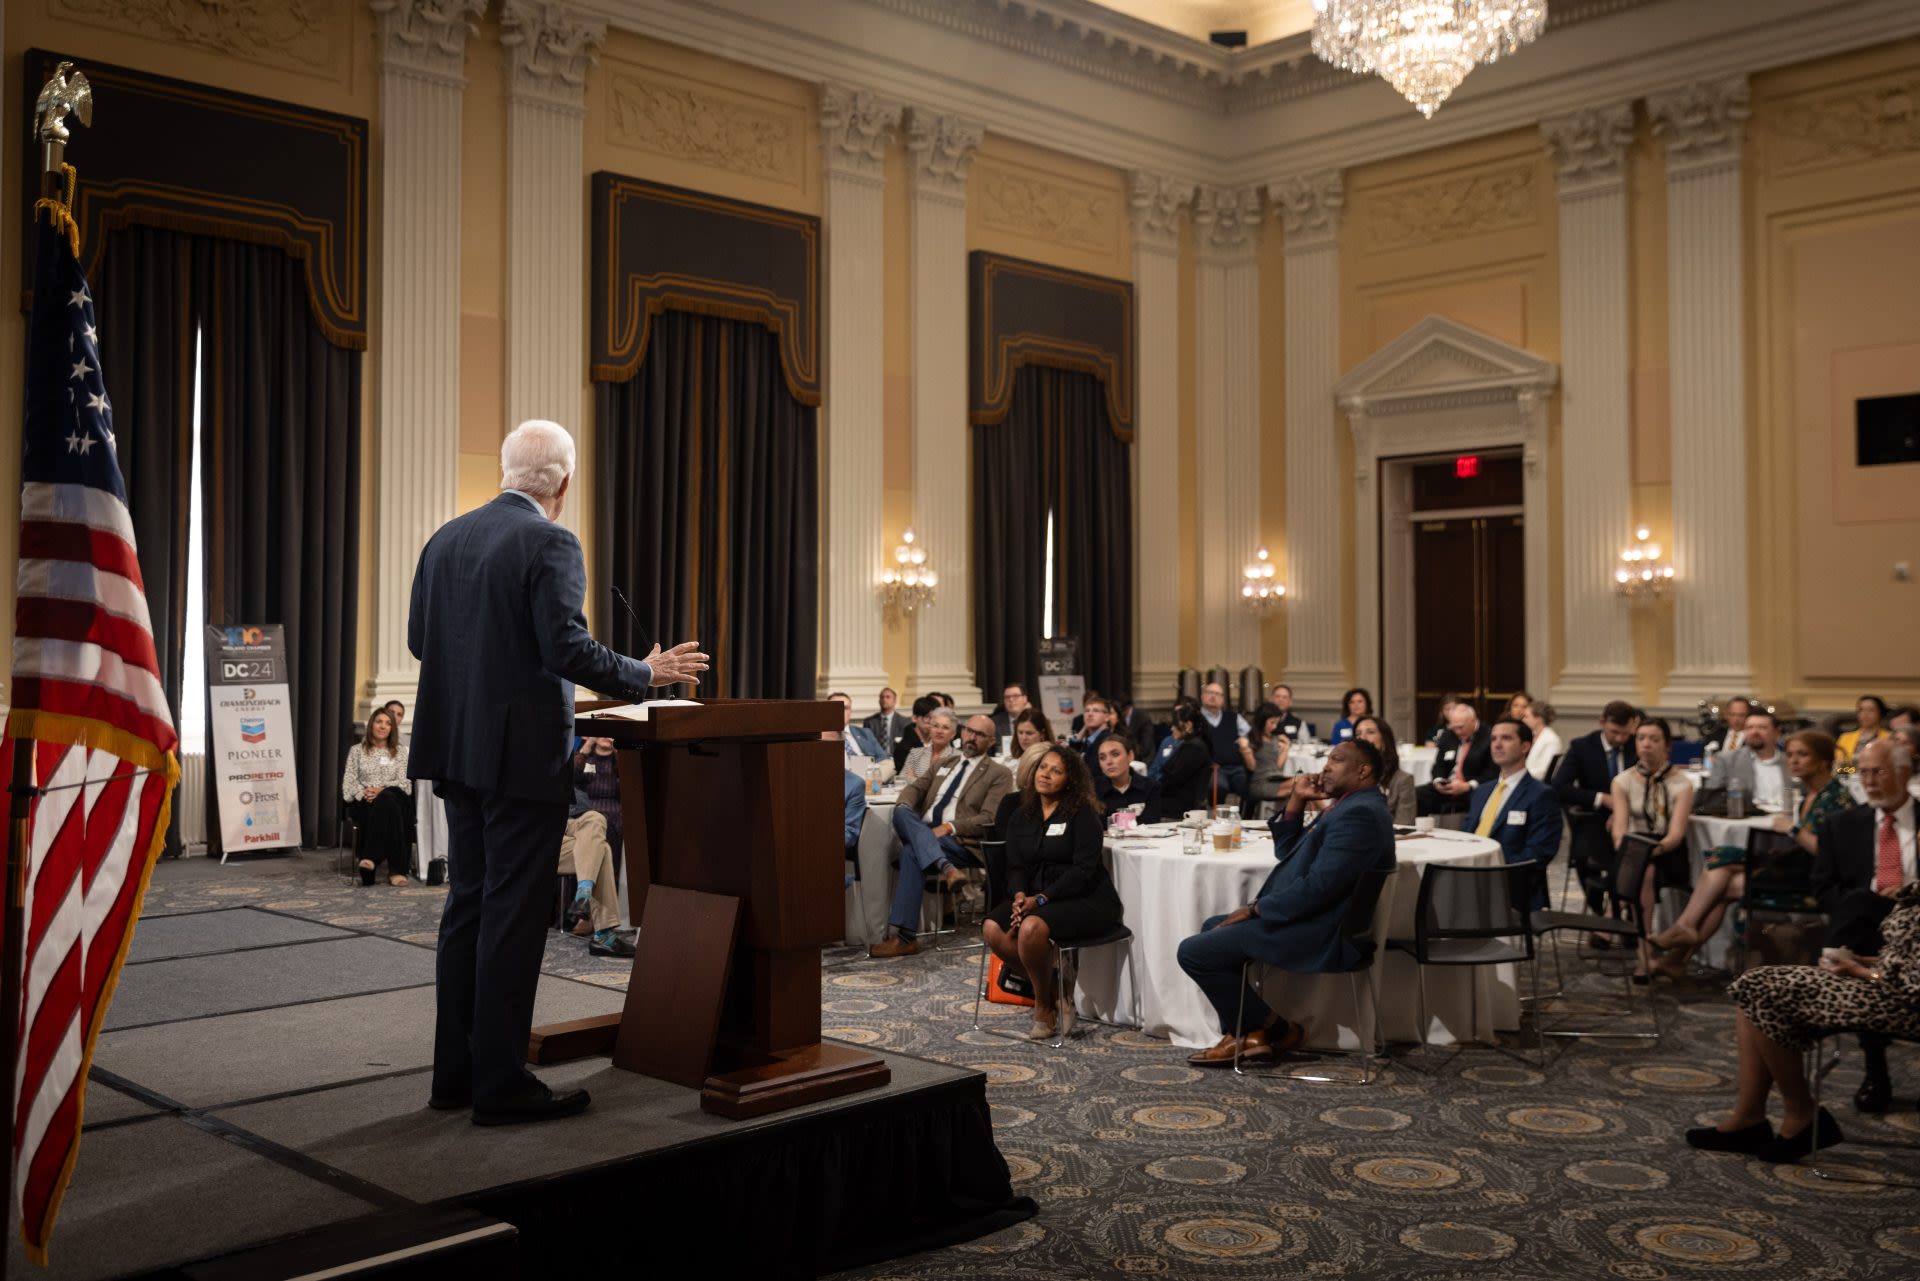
<point x="1004" y="988"/>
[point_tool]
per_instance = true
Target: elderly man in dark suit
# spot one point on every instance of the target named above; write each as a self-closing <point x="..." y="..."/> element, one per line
<point x="1516" y="809"/>
<point x="1295" y="923"/>
<point x="1460" y="764"/>
<point x="497" y="626"/>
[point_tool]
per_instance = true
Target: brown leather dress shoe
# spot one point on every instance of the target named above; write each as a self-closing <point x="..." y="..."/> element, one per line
<point x="953" y="878"/>
<point x="1219" y="1054"/>
<point x="888" y="948"/>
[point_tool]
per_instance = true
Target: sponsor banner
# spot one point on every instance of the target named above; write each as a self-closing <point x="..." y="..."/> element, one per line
<point x="250" y="726"/>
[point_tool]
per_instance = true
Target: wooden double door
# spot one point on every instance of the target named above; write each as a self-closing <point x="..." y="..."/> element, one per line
<point x="1470" y="612"/>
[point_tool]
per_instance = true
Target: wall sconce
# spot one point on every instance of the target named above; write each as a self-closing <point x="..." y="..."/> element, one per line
<point x="1258" y="591"/>
<point x="909" y="582"/>
<point x="1642" y="574"/>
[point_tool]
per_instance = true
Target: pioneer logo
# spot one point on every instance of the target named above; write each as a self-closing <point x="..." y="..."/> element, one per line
<point x="254" y="754"/>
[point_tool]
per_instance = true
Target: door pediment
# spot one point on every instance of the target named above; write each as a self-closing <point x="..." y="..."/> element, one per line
<point x="1441" y="363"/>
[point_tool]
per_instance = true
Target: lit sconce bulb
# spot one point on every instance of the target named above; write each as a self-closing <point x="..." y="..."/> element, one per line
<point x="1641" y="533"/>
<point x="929" y="578"/>
<point x="906" y="535"/>
<point x="1247" y="591"/>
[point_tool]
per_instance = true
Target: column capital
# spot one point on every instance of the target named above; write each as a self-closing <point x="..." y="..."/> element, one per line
<point x="856" y="127"/>
<point x="942" y="147"/>
<point x="1308" y="206"/>
<point x="1158" y="202"/>
<point x="1590" y="149"/>
<point x="549" y="48"/>
<point x="1702" y="124"/>
<point x="1225" y="218"/>
<point x="427" y="37"/>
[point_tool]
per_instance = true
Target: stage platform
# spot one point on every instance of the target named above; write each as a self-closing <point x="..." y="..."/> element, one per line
<point x="258" y="1109"/>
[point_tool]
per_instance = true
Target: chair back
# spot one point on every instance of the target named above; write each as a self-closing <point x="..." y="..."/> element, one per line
<point x="993" y="855"/>
<point x="1553" y="766"/>
<point x="1629" y="871"/>
<point x="1468" y="903"/>
<point x="1359" y="923"/>
<point x="1779" y="871"/>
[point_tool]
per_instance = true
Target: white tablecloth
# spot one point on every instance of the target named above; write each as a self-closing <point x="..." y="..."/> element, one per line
<point x="870" y="897"/>
<point x="1167" y="894"/>
<point x="430" y="819"/>
<point x="1310" y="757"/>
<point x="1704" y="834"/>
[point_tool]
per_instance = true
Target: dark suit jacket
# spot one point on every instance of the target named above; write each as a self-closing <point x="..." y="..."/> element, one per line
<point x="1532" y="839"/>
<point x="887" y="726"/>
<point x="1303" y="905"/>
<point x="1186" y="777"/>
<point x="1583" y="771"/>
<point x="1480" y="766"/>
<point x="1141" y="791"/>
<point x="497" y="626"/>
<point x="1843" y="880"/>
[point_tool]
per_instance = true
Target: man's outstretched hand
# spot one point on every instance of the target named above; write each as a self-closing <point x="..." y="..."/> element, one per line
<point x="680" y="665"/>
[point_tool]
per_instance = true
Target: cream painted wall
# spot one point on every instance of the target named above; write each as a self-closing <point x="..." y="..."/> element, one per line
<point x="1651" y="468"/>
<point x="1273" y="436"/>
<point x="483" y="276"/>
<point x="897" y="470"/>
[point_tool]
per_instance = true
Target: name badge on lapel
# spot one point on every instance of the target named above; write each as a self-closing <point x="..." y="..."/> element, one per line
<point x="586" y="769"/>
<point x="1056" y="829"/>
<point x="1516" y="818"/>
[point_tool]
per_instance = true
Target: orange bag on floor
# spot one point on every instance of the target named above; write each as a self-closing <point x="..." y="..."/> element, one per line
<point x="1006" y="989"/>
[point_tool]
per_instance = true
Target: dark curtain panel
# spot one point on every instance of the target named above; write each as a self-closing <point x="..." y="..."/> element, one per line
<point x="1054" y="452"/>
<point x="1015" y="482"/>
<point x="146" y="335"/>
<point x="280" y="468"/>
<point x="1094" y="542"/>
<point x="708" y="507"/>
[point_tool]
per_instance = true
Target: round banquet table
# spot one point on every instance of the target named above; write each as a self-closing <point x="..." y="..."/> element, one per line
<point x="1167" y="894"/>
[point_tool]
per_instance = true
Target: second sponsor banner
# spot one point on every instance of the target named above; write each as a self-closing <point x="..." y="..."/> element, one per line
<point x="251" y="724"/>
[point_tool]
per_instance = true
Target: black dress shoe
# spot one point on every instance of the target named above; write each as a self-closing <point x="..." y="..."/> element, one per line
<point x="620" y="946"/>
<point x="1823" y="1133"/>
<point x="537" y="1103"/>
<point x="1747" y="1139"/>
<point x="1875" y="1095"/>
<point x="450" y="1102"/>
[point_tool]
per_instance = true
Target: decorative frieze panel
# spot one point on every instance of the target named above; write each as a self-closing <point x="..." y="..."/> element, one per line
<point x="682" y="120"/>
<point x="1451" y="208"/>
<point x="1022" y="202"/>
<point x="1842" y="125"/>
<point x="295" y="35"/>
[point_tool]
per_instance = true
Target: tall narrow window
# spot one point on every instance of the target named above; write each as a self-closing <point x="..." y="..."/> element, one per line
<point x="1046" y="608"/>
<point x="193" y="660"/>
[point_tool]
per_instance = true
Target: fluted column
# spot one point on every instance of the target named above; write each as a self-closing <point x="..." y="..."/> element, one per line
<point x="422" y="80"/>
<point x="856" y="128"/>
<point x="549" y="48"/>
<point x="1702" y="124"/>
<point x="1159" y="204"/>
<point x="1308" y="206"/>
<point x="1596" y="502"/>
<point x="1227" y="412"/>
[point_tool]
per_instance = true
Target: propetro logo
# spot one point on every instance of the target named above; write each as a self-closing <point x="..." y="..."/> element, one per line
<point x="237" y="636"/>
<point x="254" y="731"/>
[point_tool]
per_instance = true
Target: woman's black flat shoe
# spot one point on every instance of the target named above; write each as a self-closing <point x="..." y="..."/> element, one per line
<point x="1823" y="1133"/>
<point x="1747" y="1139"/>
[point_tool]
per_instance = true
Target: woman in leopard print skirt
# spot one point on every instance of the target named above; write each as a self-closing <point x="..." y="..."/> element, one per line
<point x="1784" y="1009"/>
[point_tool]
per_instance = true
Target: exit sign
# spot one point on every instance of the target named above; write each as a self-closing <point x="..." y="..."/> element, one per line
<point x="1466" y="466"/>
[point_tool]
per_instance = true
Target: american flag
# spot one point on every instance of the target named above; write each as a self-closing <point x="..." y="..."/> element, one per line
<point x="87" y="691"/>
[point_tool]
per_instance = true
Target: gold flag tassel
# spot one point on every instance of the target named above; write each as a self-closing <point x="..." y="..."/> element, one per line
<point x="60" y="208"/>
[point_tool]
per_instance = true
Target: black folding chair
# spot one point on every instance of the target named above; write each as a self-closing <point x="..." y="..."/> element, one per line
<point x="1778" y="901"/>
<point x="1468" y="916"/>
<point x="1624" y="921"/>
<point x="1358" y="927"/>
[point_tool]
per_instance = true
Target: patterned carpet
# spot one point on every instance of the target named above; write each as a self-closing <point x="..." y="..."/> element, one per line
<point x="1144" y="1166"/>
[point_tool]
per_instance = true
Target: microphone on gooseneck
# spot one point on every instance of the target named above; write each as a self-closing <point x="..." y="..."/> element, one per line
<point x="646" y="642"/>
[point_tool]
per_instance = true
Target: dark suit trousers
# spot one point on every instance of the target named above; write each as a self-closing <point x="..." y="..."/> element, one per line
<point x="1213" y="959"/>
<point x="501" y="856"/>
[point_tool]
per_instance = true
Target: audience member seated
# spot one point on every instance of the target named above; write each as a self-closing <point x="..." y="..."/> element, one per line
<point x="1395" y="783"/>
<point x="1461" y="764"/>
<point x="1118" y="787"/>
<point x="1013" y="701"/>
<point x="1784" y="1009"/>
<point x="1095" y="728"/>
<point x="916" y="734"/>
<point x="940" y="727"/>
<point x="1186" y="776"/>
<point x="379" y="798"/>
<point x="1030" y="726"/>
<point x="596" y="771"/>
<point x="887" y="724"/>
<point x="1280" y="694"/>
<point x="1263" y="753"/>
<point x="1871" y="711"/>
<point x="1547" y="747"/>
<point x="1295" y="922"/>
<point x="1757" y="766"/>
<point x="1738" y="708"/>
<point x="1723" y="882"/>
<point x="1354" y="704"/>
<point x="397" y="710"/>
<point x="938" y="818"/>
<point x="1903" y="718"/>
<point x="1517" y="705"/>
<point x="1131" y="719"/>
<point x="862" y="750"/>
<point x="1058" y="880"/>
<point x="1221" y="727"/>
<point x="587" y="855"/>
<point x="1584" y="781"/>
<point x="1515" y="808"/>
<point x="1865" y="857"/>
<point x="854" y="817"/>
<point x="1164" y="751"/>
<point x="1447" y="703"/>
<point x="1653" y="799"/>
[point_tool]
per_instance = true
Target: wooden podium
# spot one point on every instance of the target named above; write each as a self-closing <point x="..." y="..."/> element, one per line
<point x="732" y="813"/>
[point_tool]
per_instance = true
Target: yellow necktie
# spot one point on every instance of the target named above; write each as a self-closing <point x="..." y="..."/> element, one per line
<point x="1488" y="814"/>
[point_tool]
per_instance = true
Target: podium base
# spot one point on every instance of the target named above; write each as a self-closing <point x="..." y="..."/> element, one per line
<point x="806" y="1075"/>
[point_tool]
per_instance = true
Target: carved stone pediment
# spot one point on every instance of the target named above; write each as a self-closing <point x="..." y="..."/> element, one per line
<point x="1439" y="363"/>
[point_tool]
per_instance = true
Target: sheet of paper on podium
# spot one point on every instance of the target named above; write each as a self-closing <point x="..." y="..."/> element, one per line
<point x="642" y="711"/>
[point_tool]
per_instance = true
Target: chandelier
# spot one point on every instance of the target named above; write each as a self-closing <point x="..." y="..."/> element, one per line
<point x="1642" y="574"/>
<point x="908" y="583"/>
<point x="1423" y="48"/>
<point x="1258" y="591"/>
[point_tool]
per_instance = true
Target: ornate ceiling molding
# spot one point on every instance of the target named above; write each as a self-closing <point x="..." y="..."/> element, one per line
<point x="1590" y="148"/>
<point x="549" y="48"/>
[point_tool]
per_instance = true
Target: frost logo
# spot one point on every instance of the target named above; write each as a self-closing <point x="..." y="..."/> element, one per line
<point x="253" y="731"/>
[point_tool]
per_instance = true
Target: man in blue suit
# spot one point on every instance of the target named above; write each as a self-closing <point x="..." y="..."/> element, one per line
<point x="1515" y="808"/>
<point x="497" y="626"/>
<point x="1295" y="923"/>
<point x="857" y="740"/>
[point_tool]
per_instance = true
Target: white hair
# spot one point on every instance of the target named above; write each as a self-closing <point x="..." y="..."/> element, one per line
<point x="945" y="714"/>
<point x="536" y="457"/>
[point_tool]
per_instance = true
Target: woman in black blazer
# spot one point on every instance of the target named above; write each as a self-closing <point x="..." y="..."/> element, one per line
<point x="1059" y="882"/>
<point x="1188" y="773"/>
